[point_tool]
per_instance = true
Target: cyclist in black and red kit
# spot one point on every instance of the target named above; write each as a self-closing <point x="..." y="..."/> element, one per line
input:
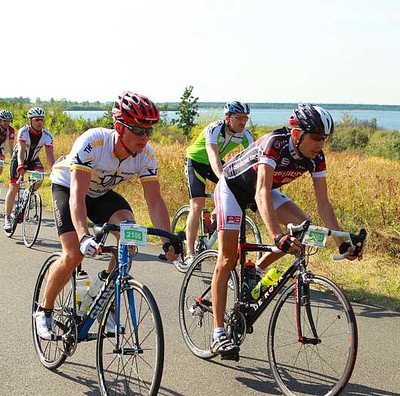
<point x="252" y="179"/>
<point x="7" y="133"/>
<point x="31" y="139"/>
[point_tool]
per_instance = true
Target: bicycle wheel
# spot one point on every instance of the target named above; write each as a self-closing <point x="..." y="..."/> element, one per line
<point x="195" y="304"/>
<point x="178" y="223"/>
<point x="52" y="354"/>
<point x="322" y="368"/>
<point x="32" y="219"/>
<point x="134" y="364"/>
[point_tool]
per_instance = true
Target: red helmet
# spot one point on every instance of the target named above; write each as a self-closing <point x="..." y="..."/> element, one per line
<point x="132" y="108"/>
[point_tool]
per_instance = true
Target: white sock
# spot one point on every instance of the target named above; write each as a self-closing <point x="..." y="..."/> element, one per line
<point x="218" y="331"/>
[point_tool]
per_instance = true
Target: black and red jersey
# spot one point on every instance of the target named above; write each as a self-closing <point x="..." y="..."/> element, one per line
<point x="277" y="150"/>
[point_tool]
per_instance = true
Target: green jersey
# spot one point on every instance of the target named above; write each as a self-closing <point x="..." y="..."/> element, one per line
<point x="215" y="133"/>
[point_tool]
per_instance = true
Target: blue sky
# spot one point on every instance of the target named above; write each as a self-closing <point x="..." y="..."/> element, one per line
<point x="319" y="51"/>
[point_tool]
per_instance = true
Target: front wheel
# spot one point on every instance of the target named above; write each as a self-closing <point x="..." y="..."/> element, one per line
<point x="130" y="361"/>
<point x="52" y="354"/>
<point x="32" y="219"/>
<point x="323" y="361"/>
<point x="195" y="303"/>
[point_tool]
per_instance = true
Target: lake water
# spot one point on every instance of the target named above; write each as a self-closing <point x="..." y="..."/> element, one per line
<point x="387" y="119"/>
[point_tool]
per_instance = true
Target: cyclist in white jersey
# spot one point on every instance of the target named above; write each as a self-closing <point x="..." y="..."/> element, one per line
<point x="82" y="187"/>
<point x="30" y="141"/>
<point x="204" y="160"/>
<point x="7" y="133"/>
<point x="251" y="178"/>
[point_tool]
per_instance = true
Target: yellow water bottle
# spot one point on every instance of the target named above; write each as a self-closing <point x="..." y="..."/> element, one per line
<point x="269" y="279"/>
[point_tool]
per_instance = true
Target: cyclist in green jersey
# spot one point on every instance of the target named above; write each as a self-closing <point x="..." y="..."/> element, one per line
<point x="204" y="160"/>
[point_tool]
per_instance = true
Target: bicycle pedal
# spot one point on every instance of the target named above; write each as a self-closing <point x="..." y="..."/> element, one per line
<point x="230" y="356"/>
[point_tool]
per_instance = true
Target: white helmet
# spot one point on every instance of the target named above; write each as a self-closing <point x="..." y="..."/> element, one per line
<point x="6" y="115"/>
<point x="36" y="112"/>
<point x="312" y="119"/>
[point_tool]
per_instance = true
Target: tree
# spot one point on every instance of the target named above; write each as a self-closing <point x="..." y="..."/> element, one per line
<point x="187" y="112"/>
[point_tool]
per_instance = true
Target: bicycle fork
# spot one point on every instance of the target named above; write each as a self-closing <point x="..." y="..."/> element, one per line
<point x="124" y="258"/>
<point x="303" y="302"/>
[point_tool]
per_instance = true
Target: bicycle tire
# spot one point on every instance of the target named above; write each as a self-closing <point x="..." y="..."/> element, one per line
<point x="32" y="219"/>
<point x="306" y="369"/>
<point x="196" y="322"/>
<point x="253" y="234"/>
<point x="52" y="354"/>
<point x="125" y="369"/>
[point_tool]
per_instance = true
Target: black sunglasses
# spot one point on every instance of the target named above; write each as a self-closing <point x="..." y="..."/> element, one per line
<point x="138" y="130"/>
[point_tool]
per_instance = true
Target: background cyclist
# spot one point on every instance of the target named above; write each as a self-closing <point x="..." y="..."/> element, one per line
<point x="204" y="161"/>
<point x="7" y="133"/>
<point x="253" y="177"/>
<point x="30" y="141"/>
<point x="82" y="187"/>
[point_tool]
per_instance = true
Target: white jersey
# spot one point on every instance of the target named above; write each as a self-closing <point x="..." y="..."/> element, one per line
<point x="34" y="142"/>
<point x="93" y="152"/>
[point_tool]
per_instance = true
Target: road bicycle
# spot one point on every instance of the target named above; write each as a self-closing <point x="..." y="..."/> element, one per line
<point x="207" y="233"/>
<point x="27" y="208"/>
<point x="312" y="334"/>
<point x="129" y="359"/>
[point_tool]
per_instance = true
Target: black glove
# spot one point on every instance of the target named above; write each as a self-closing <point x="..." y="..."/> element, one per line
<point x="176" y="244"/>
<point x="283" y="242"/>
<point x="344" y="247"/>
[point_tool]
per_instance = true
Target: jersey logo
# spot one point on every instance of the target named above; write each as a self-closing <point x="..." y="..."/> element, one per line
<point x="233" y="219"/>
<point x="111" y="180"/>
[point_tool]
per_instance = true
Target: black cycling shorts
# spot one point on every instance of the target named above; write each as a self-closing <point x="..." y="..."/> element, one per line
<point x="196" y="175"/>
<point x="99" y="210"/>
<point x="35" y="165"/>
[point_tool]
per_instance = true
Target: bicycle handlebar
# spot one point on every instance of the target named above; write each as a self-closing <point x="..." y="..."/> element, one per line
<point x="356" y="241"/>
<point x="101" y="232"/>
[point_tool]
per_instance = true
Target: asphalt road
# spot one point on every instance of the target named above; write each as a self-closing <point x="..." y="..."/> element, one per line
<point x="377" y="372"/>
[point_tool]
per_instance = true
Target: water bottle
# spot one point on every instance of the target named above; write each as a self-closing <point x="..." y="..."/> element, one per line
<point x="269" y="279"/>
<point x="249" y="281"/>
<point x="95" y="288"/>
<point x="206" y="221"/>
<point x="82" y="287"/>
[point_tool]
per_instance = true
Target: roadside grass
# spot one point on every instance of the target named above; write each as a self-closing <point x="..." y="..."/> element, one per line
<point x="364" y="191"/>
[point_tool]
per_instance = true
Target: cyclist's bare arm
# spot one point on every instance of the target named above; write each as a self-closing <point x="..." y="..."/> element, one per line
<point x="50" y="156"/>
<point x="213" y="157"/>
<point x="158" y="211"/>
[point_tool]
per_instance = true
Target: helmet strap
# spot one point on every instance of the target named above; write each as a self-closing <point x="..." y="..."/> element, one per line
<point x="298" y="136"/>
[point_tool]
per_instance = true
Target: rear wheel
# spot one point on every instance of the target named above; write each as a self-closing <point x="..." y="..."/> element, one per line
<point x="32" y="219"/>
<point x="179" y="221"/>
<point x="52" y="354"/>
<point x="195" y="303"/>
<point x="130" y="362"/>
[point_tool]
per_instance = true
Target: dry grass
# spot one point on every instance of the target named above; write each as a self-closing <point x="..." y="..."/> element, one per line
<point x="364" y="191"/>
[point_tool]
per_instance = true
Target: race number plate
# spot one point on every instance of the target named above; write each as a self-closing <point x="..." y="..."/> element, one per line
<point x="133" y="234"/>
<point x="316" y="236"/>
<point x="36" y="176"/>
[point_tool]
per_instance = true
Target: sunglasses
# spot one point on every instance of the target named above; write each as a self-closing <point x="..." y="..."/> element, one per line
<point x="138" y="130"/>
<point x="317" y="138"/>
<point x="37" y="119"/>
<point x="240" y="118"/>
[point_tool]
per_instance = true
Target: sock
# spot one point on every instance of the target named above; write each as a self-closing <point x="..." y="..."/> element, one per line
<point x="218" y="331"/>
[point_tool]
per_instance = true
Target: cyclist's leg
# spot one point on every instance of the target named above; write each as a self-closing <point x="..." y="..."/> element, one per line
<point x="196" y="179"/>
<point x="288" y="212"/>
<point x="229" y="218"/>
<point x="12" y="188"/>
